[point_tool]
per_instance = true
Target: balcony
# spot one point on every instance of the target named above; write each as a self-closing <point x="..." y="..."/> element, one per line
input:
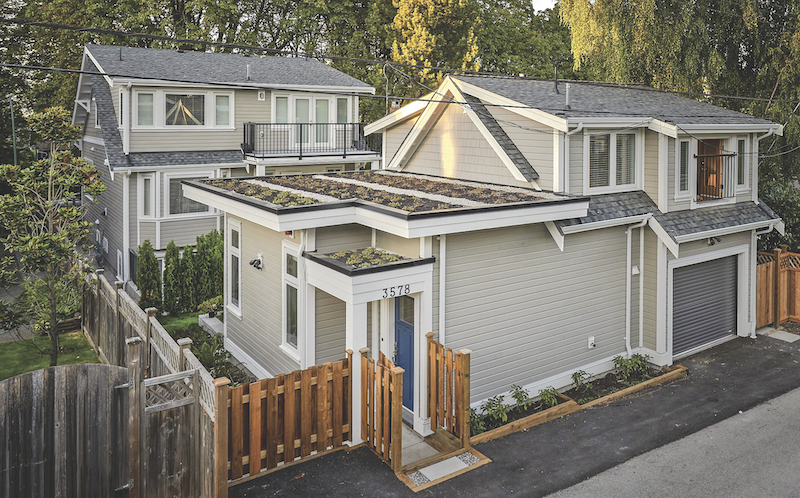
<point x="716" y="176"/>
<point x="304" y="140"/>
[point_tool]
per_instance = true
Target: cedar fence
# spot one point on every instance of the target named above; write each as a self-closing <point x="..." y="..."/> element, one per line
<point x="275" y="421"/>
<point x="381" y="408"/>
<point x="448" y="389"/>
<point x="777" y="287"/>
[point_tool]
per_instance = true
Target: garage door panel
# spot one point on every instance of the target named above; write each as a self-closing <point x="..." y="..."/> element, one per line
<point x="704" y="299"/>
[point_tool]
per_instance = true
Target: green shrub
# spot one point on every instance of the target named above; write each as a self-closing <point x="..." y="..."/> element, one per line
<point x="148" y="277"/>
<point x="548" y="397"/>
<point x="476" y="425"/>
<point x="580" y="380"/>
<point x="496" y="409"/>
<point x="172" y="276"/>
<point x="214" y="304"/>
<point x="637" y="364"/>
<point x="188" y="280"/>
<point x="521" y="396"/>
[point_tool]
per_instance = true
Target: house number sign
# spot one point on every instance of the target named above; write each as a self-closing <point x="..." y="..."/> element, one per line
<point x="396" y="291"/>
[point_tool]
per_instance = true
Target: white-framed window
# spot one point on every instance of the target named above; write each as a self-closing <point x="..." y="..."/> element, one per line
<point x="310" y="108"/>
<point x="105" y="245"/>
<point x="97" y="236"/>
<point x="234" y="283"/>
<point x="120" y="266"/>
<point x="291" y="299"/>
<point x="147" y="195"/>
<point x="175" y="204"/>
<point x="683" y="167"/>
<point x="612" y="161"/>
<point x="742" y="163"/>
<point x="121" y="108"/>
<point x="96" y="114"/>
<point x="183" y="110"/>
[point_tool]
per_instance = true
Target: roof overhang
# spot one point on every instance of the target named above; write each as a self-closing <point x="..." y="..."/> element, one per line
<point x="124" y="81"/>
<point x="726" y="231"/>
<point x="294" y="161"/>
<point x="585" y="227"/>
<point x="390" y="220"/>
<point x="401" y="115"/>
<point x="731" y="128"/>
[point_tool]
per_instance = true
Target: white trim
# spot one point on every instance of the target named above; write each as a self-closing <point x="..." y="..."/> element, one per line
<point x="141" y="177"/>
<point x="404" y="113"/>
<point x="126" y="227"/>
<point x="233" y="251"/>
<point x="663" y="173"/>
<point x="246" y="360"/>
<point x="184" y="175"/>
<point x="160" y="110"/>
<point x="664" y="237"/>
<point x="724" y="231"/>
<point x="276" y="162"/>
<point x="558" y="237"/>
<point x="94" y="140"/>
<point x="683" y="195"/>
<point x="667" y="129"/>
<point x="661" y="299"/>
<point x="638" y="169"/>
<point x="291" y="249"/>
<point x="120" y="262"/>
<point x="596" y="225"/>
<point x="732" y="128"/>
<point x="231" y="85"/>
<point x="173" y="167"/>
<point x="743" y="188"/>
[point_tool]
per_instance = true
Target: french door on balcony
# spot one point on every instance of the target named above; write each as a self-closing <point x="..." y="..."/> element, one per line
<point x="312" y="118"/>
<point x="716" y="171"/>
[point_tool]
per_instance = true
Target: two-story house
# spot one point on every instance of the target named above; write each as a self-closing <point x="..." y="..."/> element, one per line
<point x="152" y="118"/>
<point x="547" y="228"/>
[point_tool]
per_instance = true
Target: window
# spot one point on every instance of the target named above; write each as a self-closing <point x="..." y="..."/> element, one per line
<point x="178" y="204"/>
<point x="105" y="245"/>
<point x="282" y="109"/>
<point x="341" y="110"/>
<point x="120" y="266"/>
<point x="121" y="108"/>
<point x="612" y="160"/>
<point x="147" y="196"/>
<point x="290" y="298"/>
<point x="683" y="166"/>
<point x="235" y="266"/>
<point x="144" y="109"/>
<point x="222" y="110"/>
<point x="96" y="115"/>
<point x="741" y="162"/>
<point x="310" y="108"/>
<point x="185" y="110"/>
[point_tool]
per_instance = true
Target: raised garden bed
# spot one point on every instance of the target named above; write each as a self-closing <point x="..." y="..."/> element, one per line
<point x="277" y="197"/>
<point x="521" y="419"/>
<point x="452" y="188"/>
<point x="614" y="384"/>
<point x="665" y="375"/>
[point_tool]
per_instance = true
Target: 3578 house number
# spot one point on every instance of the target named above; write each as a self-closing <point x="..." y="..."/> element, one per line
<point x="398" y="290"/>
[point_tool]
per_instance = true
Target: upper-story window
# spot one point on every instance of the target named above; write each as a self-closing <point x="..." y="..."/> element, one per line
<point x="308" y="108"/>
<point x="168" y="109"/>
<point x="612" y="160"/>
<point x="742" y="161"/>
<point x="175" y="204"/>
<point x="96" y="114"/>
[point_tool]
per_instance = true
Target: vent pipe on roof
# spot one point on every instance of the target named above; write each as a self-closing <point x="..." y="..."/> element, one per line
<point x="248" y="72"/>
<point x="567" y="106"/>
<point x="120" y="53"/>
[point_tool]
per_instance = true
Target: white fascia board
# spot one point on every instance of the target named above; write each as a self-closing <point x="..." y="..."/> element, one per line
<point x="731" y="128"/>
<point x="509" y="164"/>
<point x="725" y="231"/>
<point x="609" y="121"/>
<point x="596" y="225"/>
<point x="202" y="167"/>
<point x="312" y="160"/>
<point x="81" y="77"/>
<point x="398" y="116"/>
<point x="244" y="85"/>
<point x="558" y="237"/>
<point x="667" y="129"/>
<point x="663" y="236"/>
<point x="99" y="67"/>
<point x="524" y="110"/>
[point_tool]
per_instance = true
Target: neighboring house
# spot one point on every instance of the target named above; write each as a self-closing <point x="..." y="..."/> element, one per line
<point x="545" y="235"/>
<point x="155" y="117"/>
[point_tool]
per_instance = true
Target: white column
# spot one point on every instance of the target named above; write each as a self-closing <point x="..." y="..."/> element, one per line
<point x="355" y="339"/>
<point x="308" y="354"/>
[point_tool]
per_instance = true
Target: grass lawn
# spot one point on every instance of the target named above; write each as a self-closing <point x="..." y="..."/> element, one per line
<point x="19" y="357"/>
<point x="173" y="323"/>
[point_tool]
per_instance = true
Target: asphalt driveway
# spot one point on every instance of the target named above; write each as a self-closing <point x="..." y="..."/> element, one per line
<point x="723" y="381"/>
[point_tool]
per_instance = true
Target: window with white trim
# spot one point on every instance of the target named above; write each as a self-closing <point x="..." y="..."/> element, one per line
<point x="147" y="197"/>
<point x="290" y="296"/>
<point x="121" y="108"/>
<point x="175" y="109"/>
<point x="175" y="203"/>
<point x="144" y="109"/>
<point x="741" y="162"/>
<point x="184" y="109"/>
<point x="120" y="265"/>
<point x="310" y="108"/>
<point x="235" y="266"/>
<point x="683" y="163"/>
<point x="612" y="160"/>
<point x="96" y="115"/>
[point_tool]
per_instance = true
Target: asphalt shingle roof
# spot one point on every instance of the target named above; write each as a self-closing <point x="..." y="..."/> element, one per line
<point x="150" y="63"/>
<point x="676" y="223"/>
<point x="598" y="100"/>
<point x="156" y="159"/>
<point x="508" y="145"/>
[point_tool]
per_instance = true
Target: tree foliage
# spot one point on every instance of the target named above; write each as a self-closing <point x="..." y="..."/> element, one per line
<point x="44" y="226"/>
<point x="188" y="280"/>
<point x="172" y="279"/>
<point x="148" y="277"/>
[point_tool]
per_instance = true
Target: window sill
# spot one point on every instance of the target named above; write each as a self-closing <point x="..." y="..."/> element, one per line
<point x="290" y="351"/>
<point x="181" y="128"/>
<point x="611" y="190"/>
<point x="185" y="216"/>
<point x="716" y="203"/>
<point x="237" y="312"/>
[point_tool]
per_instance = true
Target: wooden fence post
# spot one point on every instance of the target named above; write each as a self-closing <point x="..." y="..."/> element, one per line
<point x="364" y="398"/>
<point x="778" y="297"/>
<point x="396" y="431"/>
<point x="135" y="371"/>
<point x="785" y="248"/>
<point x="465" y="394"/>
<point x="221" y="437"/>
<point x="184" y="343"/>
<point x="119" y="328"/>
<point x="151" y="314"/>
<point x="349" y="406"/>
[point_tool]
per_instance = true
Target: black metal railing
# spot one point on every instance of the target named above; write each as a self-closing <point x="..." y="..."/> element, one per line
<point x="262" y="140"/>
<point x="716" y="176"/>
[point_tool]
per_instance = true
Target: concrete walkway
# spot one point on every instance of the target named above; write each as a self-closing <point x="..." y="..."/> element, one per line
<point x="752" y="454"/>
<point x="737" y="375"/>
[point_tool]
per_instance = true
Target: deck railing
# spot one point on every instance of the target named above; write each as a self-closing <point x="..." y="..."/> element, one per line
<point x="716" y="176"/>
<point x="264" y="140"/>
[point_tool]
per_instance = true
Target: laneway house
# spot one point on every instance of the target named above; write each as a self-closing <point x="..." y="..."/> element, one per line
<point x="545" y="230"/>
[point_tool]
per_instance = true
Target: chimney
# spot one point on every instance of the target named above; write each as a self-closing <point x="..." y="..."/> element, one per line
<point x="248" y="72"/>
<point x="568" y="106"/>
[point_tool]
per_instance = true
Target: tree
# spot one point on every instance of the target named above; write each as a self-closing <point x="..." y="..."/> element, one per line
<point x="188" y="280"/>
<point x="45" y="225"/>
<point x="148" y="277"/>
<point x="172" y="278"/>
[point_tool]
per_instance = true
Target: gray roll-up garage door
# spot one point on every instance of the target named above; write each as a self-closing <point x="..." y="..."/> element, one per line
<point x="703" y="303"/>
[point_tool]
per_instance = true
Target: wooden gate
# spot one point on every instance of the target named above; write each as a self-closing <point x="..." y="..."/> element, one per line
<point x="777" y="288"/>
<point x="381" y="408"/>
<point x="448" y="389"/>
<point x="64" y="432"/>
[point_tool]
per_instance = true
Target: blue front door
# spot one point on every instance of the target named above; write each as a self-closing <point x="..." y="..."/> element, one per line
<point x="404" y="345"/>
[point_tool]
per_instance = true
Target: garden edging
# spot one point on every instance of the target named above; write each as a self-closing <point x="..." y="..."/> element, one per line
<point x="571" y="406"/>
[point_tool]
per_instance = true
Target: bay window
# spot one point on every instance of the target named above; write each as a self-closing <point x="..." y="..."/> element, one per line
<point x="178" y="204"/>
<point x="176" y="110"/>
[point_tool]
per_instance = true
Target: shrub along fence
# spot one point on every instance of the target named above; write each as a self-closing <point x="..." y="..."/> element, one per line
<point x="778" y="287"/>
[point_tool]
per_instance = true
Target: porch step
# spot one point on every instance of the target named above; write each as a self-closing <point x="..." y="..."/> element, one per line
<point x="439" y="468"/>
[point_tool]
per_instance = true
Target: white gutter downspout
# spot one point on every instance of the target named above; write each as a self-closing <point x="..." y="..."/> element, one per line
<point x="754" y="275"/>
<point x="628" y="284"/>
<point x="126" y="128"/>
<point x="126" y="230"/>
<point x="641" y="287"/>
<point x="565" y="155"/>
<point x="442" y="287"/>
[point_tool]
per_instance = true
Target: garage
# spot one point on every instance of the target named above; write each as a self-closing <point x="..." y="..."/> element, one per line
<point x="703" y="303"/>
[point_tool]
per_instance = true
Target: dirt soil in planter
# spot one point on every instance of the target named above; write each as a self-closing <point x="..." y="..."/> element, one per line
<point x="515" y="414"/>
<point x="277" y="197"/>
<point x="609" y="384"/>
<point x="364" y="258"/>
<point x="791" y="327"/>
<point x="450" y="189"/>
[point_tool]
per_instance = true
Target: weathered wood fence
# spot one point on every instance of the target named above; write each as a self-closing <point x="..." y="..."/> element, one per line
<point x="777" y="287"/>
<point x="381" y="408"/>
<point x="291" y="416"/>
<point x="64" y="432"/>
<point x="448" y="389"/>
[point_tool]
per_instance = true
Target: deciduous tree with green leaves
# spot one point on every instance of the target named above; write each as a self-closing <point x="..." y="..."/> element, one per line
<point x="45" y="227"/>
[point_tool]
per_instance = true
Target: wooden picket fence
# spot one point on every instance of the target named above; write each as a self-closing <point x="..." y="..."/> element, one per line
<point x="275" y="421"/>
<point x="777" y="287"/>
<point x="381" y="408"/>
<point x="448" y="389"/>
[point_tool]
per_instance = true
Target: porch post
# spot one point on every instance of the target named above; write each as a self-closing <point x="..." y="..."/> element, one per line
<point x="355" y="339"/>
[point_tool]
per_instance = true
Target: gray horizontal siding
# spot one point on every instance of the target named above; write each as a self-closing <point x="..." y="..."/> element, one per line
<point x="526" y="309"/>
<point x="258" y="332"/>
<point x="147" y="231"/>
<point x="395" y="244"/>
<point x="108" y="209"/>
<point x="330" y="328"/>
<point x="395" y="135"/>
<point x="534" y="140"/>
<point x="576" y="164"/>
<point x="90" y="130"/>
<point x="332" y="239"/>
<point x="185" y="232"/>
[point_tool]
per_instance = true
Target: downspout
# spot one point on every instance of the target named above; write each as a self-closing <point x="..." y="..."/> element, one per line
<point x="442" y="286"/>
<point x="641" y="287"/>
<point x="754" y="275"/>
<point x="628" y="284"/>
<point x="126" y="129"/>
<point x="565" y="155"/>
<point x="126" y="221"/>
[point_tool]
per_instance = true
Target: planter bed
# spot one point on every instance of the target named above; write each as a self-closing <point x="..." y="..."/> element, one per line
<point x="519" y="419"/>
<point x="612" y="386"/>
<point x="277" y="197"/>
<point x="451" y="188"/>
<point x="666" y="375"/>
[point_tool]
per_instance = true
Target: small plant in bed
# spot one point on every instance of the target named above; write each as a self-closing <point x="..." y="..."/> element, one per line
<point x="627" y="372"/>
<point x="211" y="353"/>
<point x="364" y="258"/>
<point x="495" y="413"/>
